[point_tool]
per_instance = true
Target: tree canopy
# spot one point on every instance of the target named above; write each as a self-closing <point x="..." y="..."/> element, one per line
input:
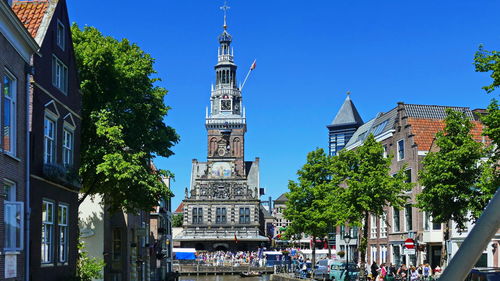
<point x="123" y="127"/>
<point x="450" y="175"/>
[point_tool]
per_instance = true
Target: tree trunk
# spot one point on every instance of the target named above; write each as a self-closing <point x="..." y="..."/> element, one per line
<point x="329" y="248"/>
<point x="313" y="261"/>
<point x="362" y="246"/>
<point x="444" y="251"/>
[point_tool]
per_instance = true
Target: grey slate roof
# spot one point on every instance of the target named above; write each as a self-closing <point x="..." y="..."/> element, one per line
<point x="281" y="199"/>
<point x="433" y="111"/>
<point x="348" y="114"/>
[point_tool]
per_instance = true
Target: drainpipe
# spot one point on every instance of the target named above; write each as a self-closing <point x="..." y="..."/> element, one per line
<point x="27" y="183"/>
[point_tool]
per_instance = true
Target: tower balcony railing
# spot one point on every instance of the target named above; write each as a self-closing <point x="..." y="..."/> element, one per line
<point x="223" y="58"/>
<point x="225" y="89"/>
<point x="229" y="122"/>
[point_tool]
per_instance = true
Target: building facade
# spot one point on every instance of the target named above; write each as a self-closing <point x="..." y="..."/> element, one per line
<point x="54" y="125"/>
<point x="406" y="132"/>
<point x="16" y="49"/>
<point x="221" y="209"/>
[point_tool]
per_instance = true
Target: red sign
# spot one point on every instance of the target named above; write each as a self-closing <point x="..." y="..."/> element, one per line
<point x="409" y="243"/>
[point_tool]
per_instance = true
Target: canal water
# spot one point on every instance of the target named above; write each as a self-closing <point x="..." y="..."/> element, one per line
<point x="223" y="278"/>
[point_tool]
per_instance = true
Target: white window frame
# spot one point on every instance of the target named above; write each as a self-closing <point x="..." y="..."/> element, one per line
<point x="244" y="217"/>
<point x="394" y="220"/>
<point x="406" y="216"/>
<point x="13" y="112"/>
<point x="59" y="75"/>
<point x="60" y="36"/>
<point x="47" y="245"/>
<point x="428" y="224"/>
<point x="13" y="216"/>
<point x="383" y="225"/>
<point x="68" y="149"/>
<point x="383" y="253"/>
<point x="373" y="250"/>
<point x="373" y="226"/>
<point x="399" y="147"/>
<point x="63" y="229"/>
<point x="49" y="140"/>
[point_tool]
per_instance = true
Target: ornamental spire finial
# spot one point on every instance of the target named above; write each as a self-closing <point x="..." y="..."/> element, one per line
<point x="225" y="8"/>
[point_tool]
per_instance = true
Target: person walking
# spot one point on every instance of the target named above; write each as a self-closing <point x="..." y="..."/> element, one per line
<point x="374" y="269"/>
<point x="426" y="271"/>
<point x="414" y="274"/>
<point x="391" y="273"/>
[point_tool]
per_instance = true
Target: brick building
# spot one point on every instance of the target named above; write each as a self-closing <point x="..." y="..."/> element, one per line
<point x="16" y="49"/>
<point x="55" y="104"/>
<point x="406" y="132"/>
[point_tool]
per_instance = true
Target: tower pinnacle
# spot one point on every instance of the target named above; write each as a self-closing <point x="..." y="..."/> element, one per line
<point x="225" y="8"/>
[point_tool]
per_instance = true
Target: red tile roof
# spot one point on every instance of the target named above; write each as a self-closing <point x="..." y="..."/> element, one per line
<point x="180" y="209"/>
<point x="424" y="131"/>
<point x="31" y="13"/>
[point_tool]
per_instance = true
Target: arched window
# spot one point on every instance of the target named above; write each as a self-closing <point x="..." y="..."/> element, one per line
<point x="236" y="147"/>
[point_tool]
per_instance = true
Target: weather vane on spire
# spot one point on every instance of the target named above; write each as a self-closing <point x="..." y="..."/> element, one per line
<point x="225" y="8"/>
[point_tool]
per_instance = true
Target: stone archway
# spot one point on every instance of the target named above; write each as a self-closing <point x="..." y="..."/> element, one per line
<point x="221" y="247"/>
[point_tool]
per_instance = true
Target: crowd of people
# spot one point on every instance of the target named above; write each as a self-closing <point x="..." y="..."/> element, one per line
<point x="391" y="272"/>
<point x="226" y="258"/>
<point x="382" y="272"/>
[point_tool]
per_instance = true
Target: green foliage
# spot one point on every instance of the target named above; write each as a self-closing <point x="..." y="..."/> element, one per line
<point x="451" y="174"/>
<point x="88" y="268"/>
<point x="365" y="172"/>
<point x="177" y="220"/>
<point x="305" y="208"/>
<point x="488" y="61"/>
<point x="122" y="127"/>
<point x="343" y="189"/>
<point x="367" y="187"/>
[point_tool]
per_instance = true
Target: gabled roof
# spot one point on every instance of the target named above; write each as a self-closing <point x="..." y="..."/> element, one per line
<point x="180" y="208"/>
<point x="348" y="114"/>
<point x="31" y="14"/>
<point x="281" y="199"/>
<point x="35" y="15"/>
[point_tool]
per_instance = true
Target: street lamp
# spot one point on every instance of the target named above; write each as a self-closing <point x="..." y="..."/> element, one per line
<point x="347" y="239"/>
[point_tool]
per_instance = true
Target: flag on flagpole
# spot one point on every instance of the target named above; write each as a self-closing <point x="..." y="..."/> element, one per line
<point x="254" y="65"/>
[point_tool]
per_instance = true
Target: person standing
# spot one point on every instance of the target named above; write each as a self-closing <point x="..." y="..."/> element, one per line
<point x="374" y="269"/>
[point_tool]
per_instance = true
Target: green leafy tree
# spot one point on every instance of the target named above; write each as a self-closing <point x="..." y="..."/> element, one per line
<point x="450" y="175"/>
<point x="88" y="268"/>
<point x="367" y="188"/>
<point x="177" y="220"/>
<point x="489" y="61"/>
<point x="122" y="122"/>
<point x="305" y="208"/>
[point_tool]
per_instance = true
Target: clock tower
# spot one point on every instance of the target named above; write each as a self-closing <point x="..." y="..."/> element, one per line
<point x="222" y="206"/>
<point x="225" y="121"/>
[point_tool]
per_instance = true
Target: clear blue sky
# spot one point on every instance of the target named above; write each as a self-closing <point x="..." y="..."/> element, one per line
<point x="309" y="53"/>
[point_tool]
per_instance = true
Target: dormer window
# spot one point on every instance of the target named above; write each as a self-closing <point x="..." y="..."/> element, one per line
<point x="60" y="34"/>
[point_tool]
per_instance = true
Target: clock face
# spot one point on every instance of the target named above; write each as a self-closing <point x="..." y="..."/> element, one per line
<point x="221" y="151"/>
<point x="225" y="104"/>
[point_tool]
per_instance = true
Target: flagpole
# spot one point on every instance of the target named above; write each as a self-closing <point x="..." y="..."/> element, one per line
<point x="252" y="67"/>
<point x="244" y="81"/>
